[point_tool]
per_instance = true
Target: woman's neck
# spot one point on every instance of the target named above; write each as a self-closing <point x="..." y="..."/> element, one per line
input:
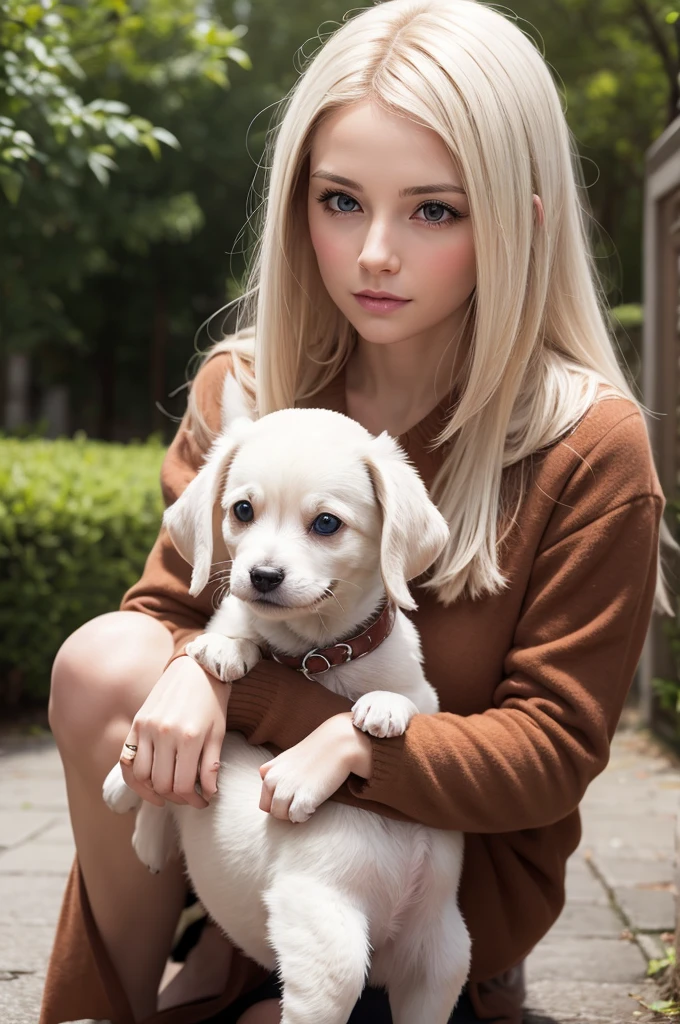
<point x="392" y="387"/>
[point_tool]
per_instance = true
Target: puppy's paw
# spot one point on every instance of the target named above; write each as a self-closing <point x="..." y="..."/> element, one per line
<point x="224" y="657"/>
<point x="119" y="797"/>
<point x="383" y="714"/>
<point x="302" y="806"/>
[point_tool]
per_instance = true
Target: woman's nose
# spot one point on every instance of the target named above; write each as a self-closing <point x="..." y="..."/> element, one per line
<point x="378" y="253"/>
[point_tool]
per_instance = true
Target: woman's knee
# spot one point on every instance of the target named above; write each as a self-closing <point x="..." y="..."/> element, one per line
<point x="103" y="672"/>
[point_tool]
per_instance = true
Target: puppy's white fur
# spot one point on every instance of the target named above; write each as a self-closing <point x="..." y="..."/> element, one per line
<point x="351" y="896"/>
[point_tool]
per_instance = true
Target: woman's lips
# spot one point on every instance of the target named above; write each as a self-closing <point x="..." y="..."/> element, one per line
<point x="380" y="304"/>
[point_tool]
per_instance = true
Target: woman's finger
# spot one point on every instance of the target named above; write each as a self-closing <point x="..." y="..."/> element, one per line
<point x="136" y="767"/>
<point x="130" y="749"/>
<point x="186" y="770"/>
<point x="266" y="794"/>
<point x="163" y="766"/>
<point x="282" y="798"/>
<point x="210" y="764"/>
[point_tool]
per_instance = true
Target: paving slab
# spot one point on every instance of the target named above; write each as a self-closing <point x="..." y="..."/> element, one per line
<point x="618" y="871"/>
<point x="56" y="834"/>
<point x="18" y="826"/>
<point x="35" y="793"/>
<point x="26" y="949"/>
<point x="26" y="906"/>
<point x="588" y="920"/>
<point x="37" y="859"/>
<point x="20" y="999"/>
<point x="564" y="1001"/>
<point x="614" y="960"/>
<point x="608" y="833"/>
<point x="582" y="885"/>
<point x="648" y="910"/>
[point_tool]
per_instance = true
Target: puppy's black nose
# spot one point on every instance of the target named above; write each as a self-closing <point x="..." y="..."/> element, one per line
<point x="264" y="578"/>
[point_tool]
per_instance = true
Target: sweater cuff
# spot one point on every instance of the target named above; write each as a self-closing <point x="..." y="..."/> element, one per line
<point x="387" y="763"/>
<point x="248" y="705"/>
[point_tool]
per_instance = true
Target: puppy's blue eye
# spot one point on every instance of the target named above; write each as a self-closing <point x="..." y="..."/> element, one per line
<point x="325" y="524"/>
<point x="243" y="511"/>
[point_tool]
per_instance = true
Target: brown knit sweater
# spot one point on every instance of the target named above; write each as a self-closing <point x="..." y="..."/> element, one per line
<point x="531" y="681"/>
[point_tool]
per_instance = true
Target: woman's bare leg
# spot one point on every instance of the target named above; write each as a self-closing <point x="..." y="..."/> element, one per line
<point x="101" y="677"/>
<point x="204" y="972"/>
<point x="267" y="1012"/>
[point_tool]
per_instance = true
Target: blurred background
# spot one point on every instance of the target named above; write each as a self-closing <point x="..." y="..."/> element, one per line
<point x="130" y="135"/>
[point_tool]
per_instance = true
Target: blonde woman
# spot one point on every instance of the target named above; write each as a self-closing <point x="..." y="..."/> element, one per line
<point x="424" y="267"/>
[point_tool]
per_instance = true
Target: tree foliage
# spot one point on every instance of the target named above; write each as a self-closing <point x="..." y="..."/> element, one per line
<point x="86" y="94"/>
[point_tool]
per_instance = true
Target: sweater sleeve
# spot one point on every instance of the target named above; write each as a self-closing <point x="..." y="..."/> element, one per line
<point x="163" y="589"/>
<point x="525" y="762"/>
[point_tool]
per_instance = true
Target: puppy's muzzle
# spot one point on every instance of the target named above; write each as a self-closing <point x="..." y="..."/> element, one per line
<point x="265" y="579"/>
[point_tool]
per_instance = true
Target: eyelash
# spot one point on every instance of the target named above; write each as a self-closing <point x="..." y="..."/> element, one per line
<point x="331" y="194"/>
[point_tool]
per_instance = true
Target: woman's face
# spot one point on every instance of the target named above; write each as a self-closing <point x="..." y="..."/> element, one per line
<point x="388" y="214"/>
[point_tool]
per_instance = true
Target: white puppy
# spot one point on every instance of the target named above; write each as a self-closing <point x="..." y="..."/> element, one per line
<point x="325" y="525"/>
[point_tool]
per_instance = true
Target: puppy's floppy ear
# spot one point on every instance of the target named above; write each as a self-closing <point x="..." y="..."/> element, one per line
<point x="194" y="521"/>
<point x="414" y="531"/>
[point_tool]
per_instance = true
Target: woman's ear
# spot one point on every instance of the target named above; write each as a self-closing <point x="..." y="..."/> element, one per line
<point x="538" y="210"/>
<point x="194" y="521"/>
<point x="414" y="532"/>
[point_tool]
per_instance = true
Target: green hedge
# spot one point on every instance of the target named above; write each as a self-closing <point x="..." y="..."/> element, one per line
<point x="77" y="520"/>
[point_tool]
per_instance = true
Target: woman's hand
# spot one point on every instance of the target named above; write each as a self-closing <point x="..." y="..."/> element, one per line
<point x="302" y="778"/>
<point x="178" y="732"/>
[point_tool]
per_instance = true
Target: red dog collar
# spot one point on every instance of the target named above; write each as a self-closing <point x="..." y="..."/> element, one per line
<point x="320" y="659"/>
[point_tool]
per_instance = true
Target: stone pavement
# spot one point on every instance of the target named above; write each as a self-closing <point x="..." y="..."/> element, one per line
<point x="620" y="893"/>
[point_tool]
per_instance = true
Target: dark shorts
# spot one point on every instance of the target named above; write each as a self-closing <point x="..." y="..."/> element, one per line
<point x="372" y="1008"/>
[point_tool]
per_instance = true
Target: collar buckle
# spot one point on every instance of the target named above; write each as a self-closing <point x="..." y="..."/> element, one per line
<point x="306" y="670"/>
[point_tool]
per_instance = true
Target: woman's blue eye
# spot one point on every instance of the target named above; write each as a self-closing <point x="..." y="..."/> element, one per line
<point x="325" y="524"/>
<point x="437" y="213"/>
<point x="433" y="211"/>
<point x="243" y="511"/>
<point x="338" y="202"/>
<point x="345" y="204"/>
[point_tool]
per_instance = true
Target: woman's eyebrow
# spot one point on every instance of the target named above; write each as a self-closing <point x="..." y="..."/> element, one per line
<point x="415" y="190"/>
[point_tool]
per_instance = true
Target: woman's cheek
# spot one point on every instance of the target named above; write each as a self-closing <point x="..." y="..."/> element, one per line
<point x="331" y="254"/>
<point x="333" y="260"/>
<point x="449" y="270"/>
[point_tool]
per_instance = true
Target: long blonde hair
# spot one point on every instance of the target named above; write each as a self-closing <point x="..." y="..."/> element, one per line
<point x="540" y="345"/>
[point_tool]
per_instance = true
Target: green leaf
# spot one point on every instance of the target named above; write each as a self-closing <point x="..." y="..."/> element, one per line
<point x="32" y="15"/>
<point x="152" y="145"/>
<point x="240" y="57"/>
<point x="163" y="135"/>
<point x="109" y="107"/>
<point x="100" y="164"/>
<point x="11" y="184"/>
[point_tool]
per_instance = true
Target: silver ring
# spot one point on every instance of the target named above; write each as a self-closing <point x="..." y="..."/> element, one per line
<point x="132" y="748"/>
